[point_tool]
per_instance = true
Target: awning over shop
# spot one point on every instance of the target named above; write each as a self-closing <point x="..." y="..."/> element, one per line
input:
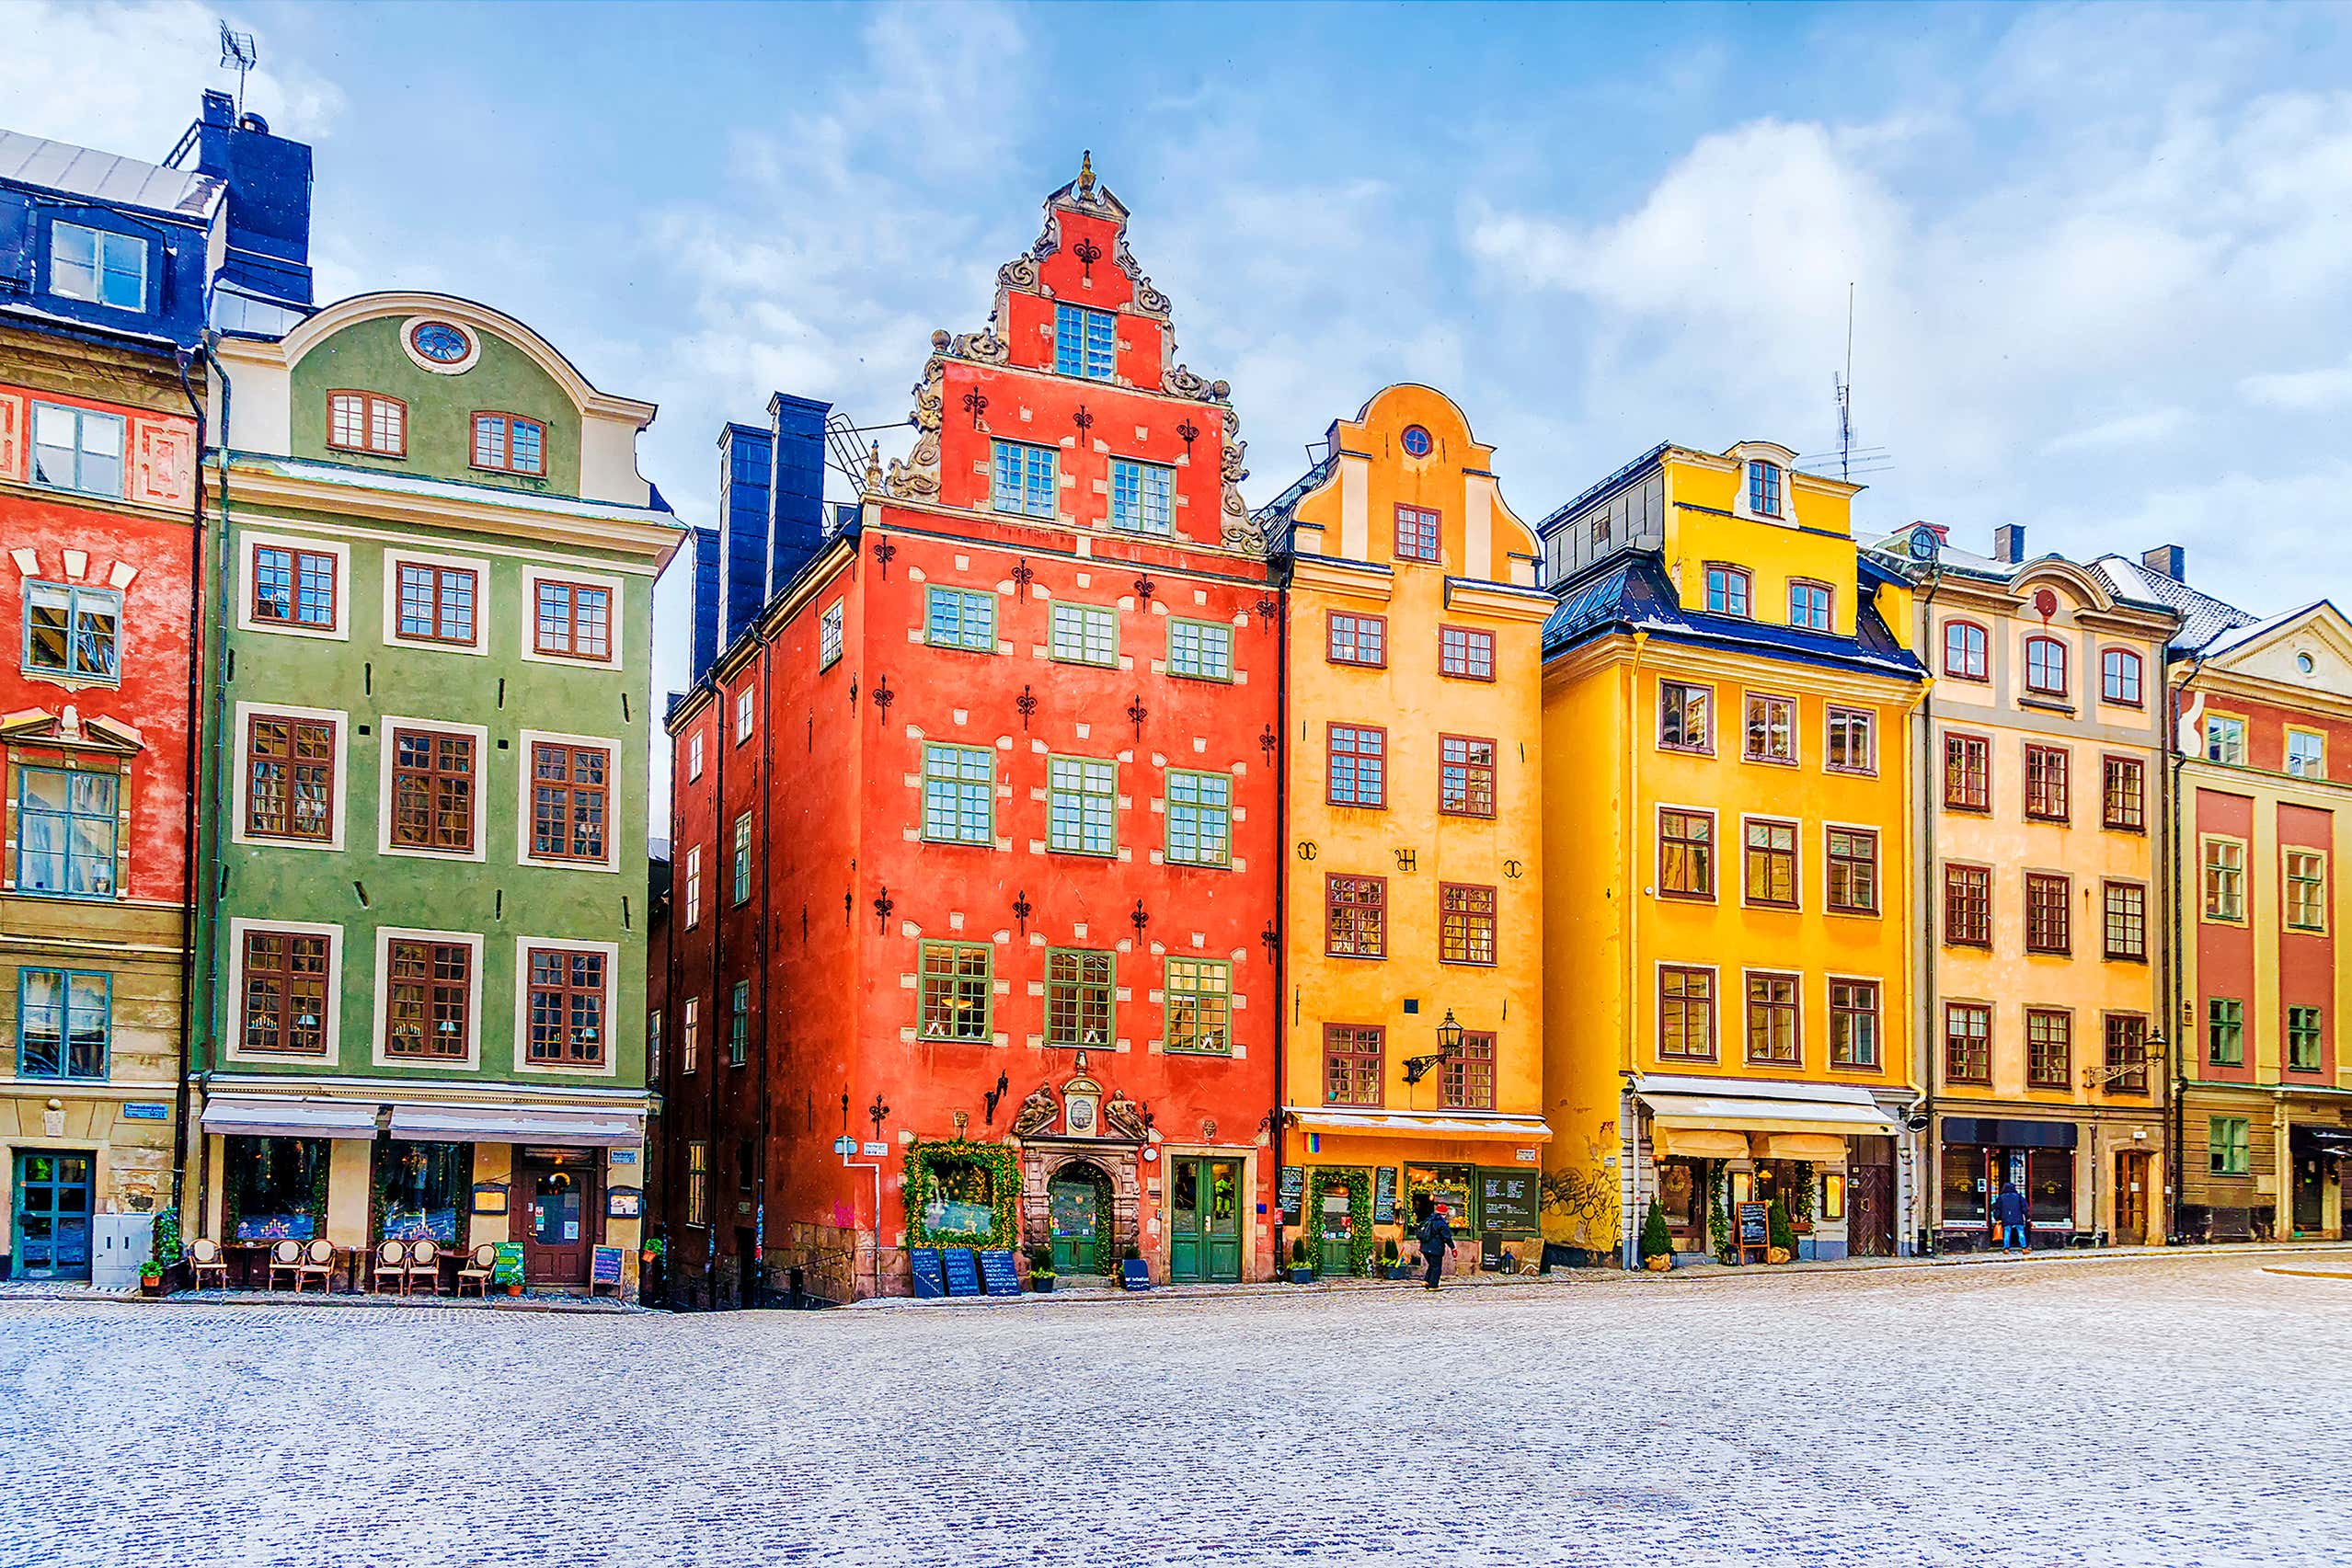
<point x="2008" y="1132"/>
<point x="289" y="1118"/>
<point x="2304" y="1139"/>
<point x="1742" y="1106"/>
<point x="1697" y="1144"/>
<point x="580" y="1127"/>
<point x="1444" y="1124"/>
<point x="1820" y="1148"/>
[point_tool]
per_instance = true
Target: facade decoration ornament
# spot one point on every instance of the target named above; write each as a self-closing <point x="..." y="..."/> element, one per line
<point x="916" y="477"/>
<point x="1122" y="1117"/>
<point x="1037" y="1113"/>
<point x="1149" y="300"/>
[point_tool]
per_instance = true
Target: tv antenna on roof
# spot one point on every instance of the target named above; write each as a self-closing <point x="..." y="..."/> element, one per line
<point x="1844" y="385"/>
<point x="239" y="53"/>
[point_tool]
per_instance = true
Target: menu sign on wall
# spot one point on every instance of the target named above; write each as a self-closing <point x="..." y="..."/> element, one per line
<point x="1384" y="1195"/>
<point x="1508" y="1202"/>
<point x="1290" y="1191"/>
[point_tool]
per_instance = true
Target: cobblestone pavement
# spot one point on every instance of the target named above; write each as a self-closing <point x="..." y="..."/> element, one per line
<point x="2178" y="1411"/>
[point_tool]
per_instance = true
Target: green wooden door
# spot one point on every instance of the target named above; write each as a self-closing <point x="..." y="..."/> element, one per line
<point x="1074" y="1206"/>
<point x="1205" y="1239"/>
<point x="1335" y="1231"/>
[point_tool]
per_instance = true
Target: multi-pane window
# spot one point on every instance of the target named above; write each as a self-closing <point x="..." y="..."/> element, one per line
<point x="77" y="449"/>
<point x="509" y="443"/>
<point x="1764" y="489"/>
<point x="2046" y="666"/>
<point x="2119" y="677"/>
<point x="1465" y="776"/>
<point x="290" y="778"/>
<point x="1772" y="1019"/>
<point x="653" y="1045"/>
<point x="2225" y="740"/>
<point x="2227" y="1145"/>
<point x="433" y="790"/>
<point x="2123" y="795"/>
<point x="1417" y="534"/>
<point x="67" y="832"/>
<point x="690" y="1035"/>
<point x="2047" y="908"/>
<point x="1686" y="853"/>
<point x="2126" y="908"/>
<point x="1809" y="606"/>
<point x="958" y="987"/>
<point x="368" y="422"/>
<point x="1466" y="1082"/>
<point x="1465" y="923"/>
<point x="1142" y="497"/>
<point x="2126" y="1054"/>
<point x="567" y="1006"/>
<point x="829" y="636"/>
<point x="1853" y="1024"/>
<point x="2225" y="879"/>
<point x="571" y="801"/>
<point x="101" y="268"/>
<point x="1082" y="805"/>
<point x="1851" y="740"/>
<point x="1730" y="590"/>
<point x="1968" y="1042"/>
<point x="694" y="886"/>
<point x="1351" y="1064"/>
<point x="2045" y="793"/>
<point x="1202" y="649"/>
<point x="1083" y="633"/>
<point x="742" y="858"/>
<point x="1682" y="717"/>
<point x="1355" y="916"/>
<point x="293" y="588"/>
<point x="1077" y="997"/>
<point x="1086" y="342"/>
<point x="64" y="1019"/>
<point x="284" y="975"/>
<point x="958" y="795"/>
<point x="436" y="603"/>
<point x="739" y="1023"/>
<point x="1023" y="479"/>
<point x="573" y="619"/>
<point x="959" y="618"/>
<point x="2225" y="1031"/>
<point x="1968" y="904"/>
<point x="746" y="706"/>
<point x="1965" y="646"/>
<point x="1685" y="1012"/>
<point x="1201" y="819"/>
<point x="695" y="757"/>
<point x="1199" y="1006"/>
<point x="1357" y="639"/>
<point x="426" y="999"/>
<point x="2303" y="1040"/>
<point x="1771" y="862"/>
<point x="1968" y="773"/>
<point x="1770" y="728"/>
<point x="72" y="631"/>
<point x="2050" y="1041"/>
<point x="2306" y="754"/>
<point x="1466" y="653"/>
<point x="698" y="1182"/>
<point x="1854" y="870"/>
<point x="2306" y="890"/>
<point x="1359" y="765"/>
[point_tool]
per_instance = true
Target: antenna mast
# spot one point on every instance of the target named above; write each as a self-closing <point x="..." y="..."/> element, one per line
<point x="238" y="53"/>
<point x="1845" y="398"/>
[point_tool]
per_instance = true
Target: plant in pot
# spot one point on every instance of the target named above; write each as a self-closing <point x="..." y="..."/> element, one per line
<point x="1780" y="1240"/>
<point x="1391" y="1264"/>
<point x="151" y="1277"/>
<point x="1657" y="1244"/>
<point x="1301" y="1273"/>
<point x="1042" y="1276"/>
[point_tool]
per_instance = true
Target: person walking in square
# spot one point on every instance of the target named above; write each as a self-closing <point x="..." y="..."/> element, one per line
<point x="1435" y="1235"/>
<point x="2010" y="1211"/>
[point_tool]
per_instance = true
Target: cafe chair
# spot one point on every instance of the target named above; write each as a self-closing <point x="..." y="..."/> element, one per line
<point x="286" y="1257"/>
<point x="205" y="1256"/>
<point x="424" y="1263"/>
<point x="391" y="1262"/>
<point x="318" y="1262"/>
<point x="478" y="1270"/>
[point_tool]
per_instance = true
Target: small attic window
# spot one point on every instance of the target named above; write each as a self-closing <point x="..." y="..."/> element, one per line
<point x="1764" y="489"/>
<point x="1416" y="442"/>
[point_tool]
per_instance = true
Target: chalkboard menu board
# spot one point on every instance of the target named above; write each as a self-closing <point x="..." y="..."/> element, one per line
<point x="604" y="1267"/>
<point x="1384" y="1195"/>
<point x="1753" y="1226"/>
<point x="930" y="1283"/>
<point x="1290" y="1191"/>
<point x="997" y="1275"/>
<point x="1135" y="1273"/>
<point x="1507" y="1202"/>
<point x="963" y="1271"/>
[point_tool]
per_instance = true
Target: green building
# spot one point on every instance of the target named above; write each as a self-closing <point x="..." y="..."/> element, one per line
<point x="421" y="952"/>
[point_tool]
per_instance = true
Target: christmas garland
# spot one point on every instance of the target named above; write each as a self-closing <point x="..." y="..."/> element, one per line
<point x="1361" y="1243"/>
<point x="1718" y="1217"/>
<point x="1004" y="1187"/>
<point x="1800" y="1202"/>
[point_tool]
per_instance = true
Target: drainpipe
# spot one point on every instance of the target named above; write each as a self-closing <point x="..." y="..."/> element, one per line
<point x="761" y="933"/>
<point x="1283" y="1020"/>
<point x="191" y="817"/>
<point x="722" y="723"/>
<point x="214" y="726"/>
<point x="1927" y="1171"/>
<point x="1629" y="1112"/>
<point x="2174" y="979"/>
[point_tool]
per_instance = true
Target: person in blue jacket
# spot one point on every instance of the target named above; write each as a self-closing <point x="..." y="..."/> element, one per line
<point x="1435" y="1235"/>
<point x="2009" y="1210"/>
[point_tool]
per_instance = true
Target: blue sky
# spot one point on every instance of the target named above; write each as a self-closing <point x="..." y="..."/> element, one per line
<point x="2099" y="254"/>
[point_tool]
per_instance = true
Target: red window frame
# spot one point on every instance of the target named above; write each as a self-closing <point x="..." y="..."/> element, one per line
<point x="1353" y="1061"/>
<point x="1365" y="747"/>
<point x="1968" y="905"/>
<point x="2122" y="912"/>
<point x="1467" y="912"/>
<point x="279" y="971"/>
<point x="2115" y="663"/>
<point x="1355" y="916"/>
<point x="1347" y="646"/>
<point x="1773" y="1011"/>
<point x="565" y="801"/>
<point x="567" y="985"/>
<point x="1968" y="773"/>
<point x="1466" y="1082"/>
<point x="2047" y="797"/>
<point x="1466" y="782"/>
<point x="1465" y="653"/>
<point x="1753" y="854"/>
<point x="298" y="560"/>
<point x="1697" y="852"/>
<point x="1419" y="534"/>
<point x="368" y="403"/>
<point x="1967" y="1053"/>
<point x="2055" y="654"/>
<point x="436" y="783"/>
<point x="506" y="444"/>
<point x="2049" y="913"/>
<point x="2123" y="792"/>
<point x="434" y="578"/>
<point x="427" y="984"/>
<point x="1850" y="1000"/>
<point x="1859" y="867"/>
<point x="1683" y="1002"/>
<point x="2049" y="1048"/>
<point x="271" y="813"/>
<point x="1975" y="650"/>
<point x="574" y="629"/>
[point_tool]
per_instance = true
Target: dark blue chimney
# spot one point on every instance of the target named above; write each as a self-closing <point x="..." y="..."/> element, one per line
<point x="797" y="504"/>
<point x="706" y="617"/>
<point x="745" y="457"/>
<point x="269" y="200"/>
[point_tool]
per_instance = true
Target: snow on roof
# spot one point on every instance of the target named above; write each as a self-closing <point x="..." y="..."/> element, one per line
<point x="108" y="178"/>
<point x="2203" y="617"/>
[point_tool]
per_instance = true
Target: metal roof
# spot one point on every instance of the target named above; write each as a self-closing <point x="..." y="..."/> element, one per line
<point x="106" y="177"/>
<point x="2203" y="617"/>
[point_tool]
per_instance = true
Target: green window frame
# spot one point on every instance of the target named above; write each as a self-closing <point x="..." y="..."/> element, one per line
<point x="1201" y="650"/>
<point x="744" y="858"/>
<point x="2225" y="1031"/>
<point x="72" y="632"/>
<point x="958" y="795"/>
<point x="956" y="990"/>
<point x="64" y="1023"/>
<point x="739" y="1024"/>
<point x="1142" y="497"/>
<point x="1085" y="341"/>
<point x="2304" y="1035"/>
<point x="1025" y="479"/>
<point x="1080" y="997"/>
<point x="2228" y="1150"/>
<point x="1082" y="805"/>
<point x="959" y="618"/>
<point x="1083" y="633"/>
<point x="1199" y="1004"/>
<point x="1201" y="819"/>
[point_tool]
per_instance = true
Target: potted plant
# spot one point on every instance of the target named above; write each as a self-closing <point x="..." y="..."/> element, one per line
<point x="1041" y="1274"/>
<point x="1301" y="1273"/>
<point x="1780" y="1240"/>
<point x="151" y="1277"/>
<point x="1657" y="1244"/>
<point x="1391" y="1264"/>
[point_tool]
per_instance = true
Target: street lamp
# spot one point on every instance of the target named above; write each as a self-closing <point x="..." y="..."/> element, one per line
<point x="1449" y="1050"/>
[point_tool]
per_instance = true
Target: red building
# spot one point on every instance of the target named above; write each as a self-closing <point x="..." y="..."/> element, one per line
<point x="976" y="820"/>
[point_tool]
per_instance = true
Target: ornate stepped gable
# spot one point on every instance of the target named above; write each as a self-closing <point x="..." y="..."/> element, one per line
<point x="916" y="477"/>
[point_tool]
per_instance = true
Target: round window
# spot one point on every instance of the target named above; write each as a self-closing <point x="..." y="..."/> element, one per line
<point x="1417" y="441"/>
<point x="438" y="341"/>
<point x="2303" y="662"/>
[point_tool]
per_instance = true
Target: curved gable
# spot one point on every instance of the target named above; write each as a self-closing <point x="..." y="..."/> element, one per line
<point x="1480" y="535"/>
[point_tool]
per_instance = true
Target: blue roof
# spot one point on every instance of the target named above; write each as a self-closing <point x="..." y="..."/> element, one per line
<point x="1616" y="481"/>
<point x="1630" y="592"/>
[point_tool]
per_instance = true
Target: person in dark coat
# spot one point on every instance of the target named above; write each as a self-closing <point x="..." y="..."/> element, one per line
<point x="1436" y="1237"/>
<point x="2010" y="1211"/>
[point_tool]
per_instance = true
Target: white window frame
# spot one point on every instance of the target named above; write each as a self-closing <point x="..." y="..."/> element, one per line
<point x="233" y="1049"/>
<point x="522" y="1044"/>
<point x="380" y="1000"/>
<point x="694" y="886"/>
<point x="746" y="713"/>
<point x="393" y="559"/>
<point x="100" y="241"/>
<point x="341" y="720"/>
<point x="1086" y="316"/>
<point x="339" y="630"/>
<point x="523" y="742"/>
<point x="694" y="756"/>
<point x="33" y="444"/>
<point x="829" y="636"/>
<point x="387" y="754"/>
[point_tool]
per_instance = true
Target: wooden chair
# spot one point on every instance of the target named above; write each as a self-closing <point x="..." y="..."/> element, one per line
<point x="391" y="1262"/>
<point x="424" y="1261"/>
<point x="318" y="1263"/>
<point x="286" y="1258"/>
<point x="204" y="1257"/>
<point x="478" y="1268"/>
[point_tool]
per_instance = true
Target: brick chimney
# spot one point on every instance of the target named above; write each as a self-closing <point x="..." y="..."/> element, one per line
<point x="2167" y="561"/>
<point x="2009" y="543"/>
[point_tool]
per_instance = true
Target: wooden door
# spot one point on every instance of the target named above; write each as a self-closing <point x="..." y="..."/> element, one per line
<point x="1073" y="1204"/>
<point x="1205" y="1243"/>
<point x="1870" y="1223"/>
<point x="2131" y="1199"/>
<point x="53" y="1215"/>
<point x="559" y="1218"/>
<point x="1186" y="1203"/>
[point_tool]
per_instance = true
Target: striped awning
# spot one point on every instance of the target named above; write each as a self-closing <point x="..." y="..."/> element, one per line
<point x="288" y="1116"/>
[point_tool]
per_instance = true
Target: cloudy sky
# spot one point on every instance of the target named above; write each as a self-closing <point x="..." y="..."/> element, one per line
<point x="2098" y="255"/>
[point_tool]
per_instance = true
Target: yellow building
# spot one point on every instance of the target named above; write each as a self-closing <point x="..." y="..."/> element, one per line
<point x="1413" y="805"/>
<point x="1726" y="690"/>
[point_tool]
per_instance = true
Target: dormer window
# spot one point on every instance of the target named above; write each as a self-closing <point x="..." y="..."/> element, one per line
<point x="1764" y="489"/>
<point x="104" y="268"/>
<point x="363" y="421"/>
<point x="1086" y="342"/>
<point x="509" y="443"/>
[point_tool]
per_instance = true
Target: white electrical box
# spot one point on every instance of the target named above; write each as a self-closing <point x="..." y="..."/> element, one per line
<point x="119" y="1244"/>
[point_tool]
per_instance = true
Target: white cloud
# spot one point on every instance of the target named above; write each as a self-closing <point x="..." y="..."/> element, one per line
<point x="2300" y="390"/>
<point x="2125" y="431"/>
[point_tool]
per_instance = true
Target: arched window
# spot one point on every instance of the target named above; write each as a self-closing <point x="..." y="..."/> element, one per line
<point x="2046" y="666"/>
<point x="1764" y="489"/>
<point x="2119" y="676"/>
<point x="1964" y="650"/>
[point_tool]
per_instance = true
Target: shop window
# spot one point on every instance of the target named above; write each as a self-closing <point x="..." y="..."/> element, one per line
<point x="72" y="631"/>
<point x="1355" y="916"/>
<point x="1686" y="853"/>
<point x="2048" y="912"/>
<point x="1968" y="773"/>
<point x="1852" y="742"/>
<point x="2049" y="1188"/>
<point x="510" y="443"/>
<point x="433" y="791"/>
<point x="2306" y="890"/>
<point x="1083" y="633"/>
<point x="2127" y="920"/>
<point x="2303" y="1040"/>
<point x="2046" y="798"/>
<point x="1465" y="653"/>
<point x="97" y="266"/>
<point x="1853" y="1024"/>
<point x="2225" y="740"/>
<point x="2127" y="1053"/>
<point x="1967" y="1043"/>
<point x="958" y="618"/>
<point x="1466" y="1082"/>
<point x="1359" y="765"/>
<point x="829" y="641"/>
<point x="1201" y="650"/>
<point x="436" y="605"/>
<point x="957" y="990"/>
<point x="1199" y="1005"/>
<point x="1142" y="497"/>
<point x="68" y="829"/>
<point x="1686" y="1012"/>
<point x="1968" y="905"/>
<point x="1351" y="1064"/>
<point x="1465" y="925"/>
<point x="2228" y="1145"/>
<point x="958" y="795"/>
<point x="1853" y="871"/>
<point x="1082" y="805"/>
<point x="1965" y="1198"/>
<point x="2225" y="1031"/>
<point x="64" y="1023"/>
<point x="422" y="1191"/>
<point x="2225" y="880"/>
<point x="1770" y="729"/>
<point x="571" y="801"/>
<point x="427" y="999"/>
<point x="962" y="1197"/>
<point x="1730" y="590"/>
<point x="573" y="619"/>
<point x="290" y="778"/>
<point x="1077" y="997"/>
<point x="1809" y="606"/>
<point x="1465" y="776"/>
<point x="1201" y="819"/>
<point x="1086" y="342"/>
<point x="295" y="588"/>
<point x="1830" y="1195"/>
<point x="367" y="422"/>
<point x="2050" y="1043"/>
<point x="1357" y="639"/>
<point x="1025" y="483"/>
<point x="1772" y="863"/>
<point x="2046" y="667"/>
<point x="1682" y="724"/>
<point x="77" y="449"/>
<point x="1964" y="650"/>
<point x="2119" y="670"/>
<point x="2123" y="795"/>
<point x="1417" y="534"/>
<point x="1772" y="1037"/>
<point x="274" y="1188"/>
<point x="285" y="980"/>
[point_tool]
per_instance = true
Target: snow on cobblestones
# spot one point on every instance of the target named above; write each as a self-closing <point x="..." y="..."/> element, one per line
<point x="2180" y="1410"/>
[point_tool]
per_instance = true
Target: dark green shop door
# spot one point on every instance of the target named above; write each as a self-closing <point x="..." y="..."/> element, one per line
<point x="1076" y="1206"/>
<point x="1206" y="1243"/>
<point x="1335" y="1232"/>
<point x="54" y="1215"/>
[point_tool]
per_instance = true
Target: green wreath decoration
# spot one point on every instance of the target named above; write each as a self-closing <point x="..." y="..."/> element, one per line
<point x="1004" y="1190"/>
<point x="1362" y="1245"/>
